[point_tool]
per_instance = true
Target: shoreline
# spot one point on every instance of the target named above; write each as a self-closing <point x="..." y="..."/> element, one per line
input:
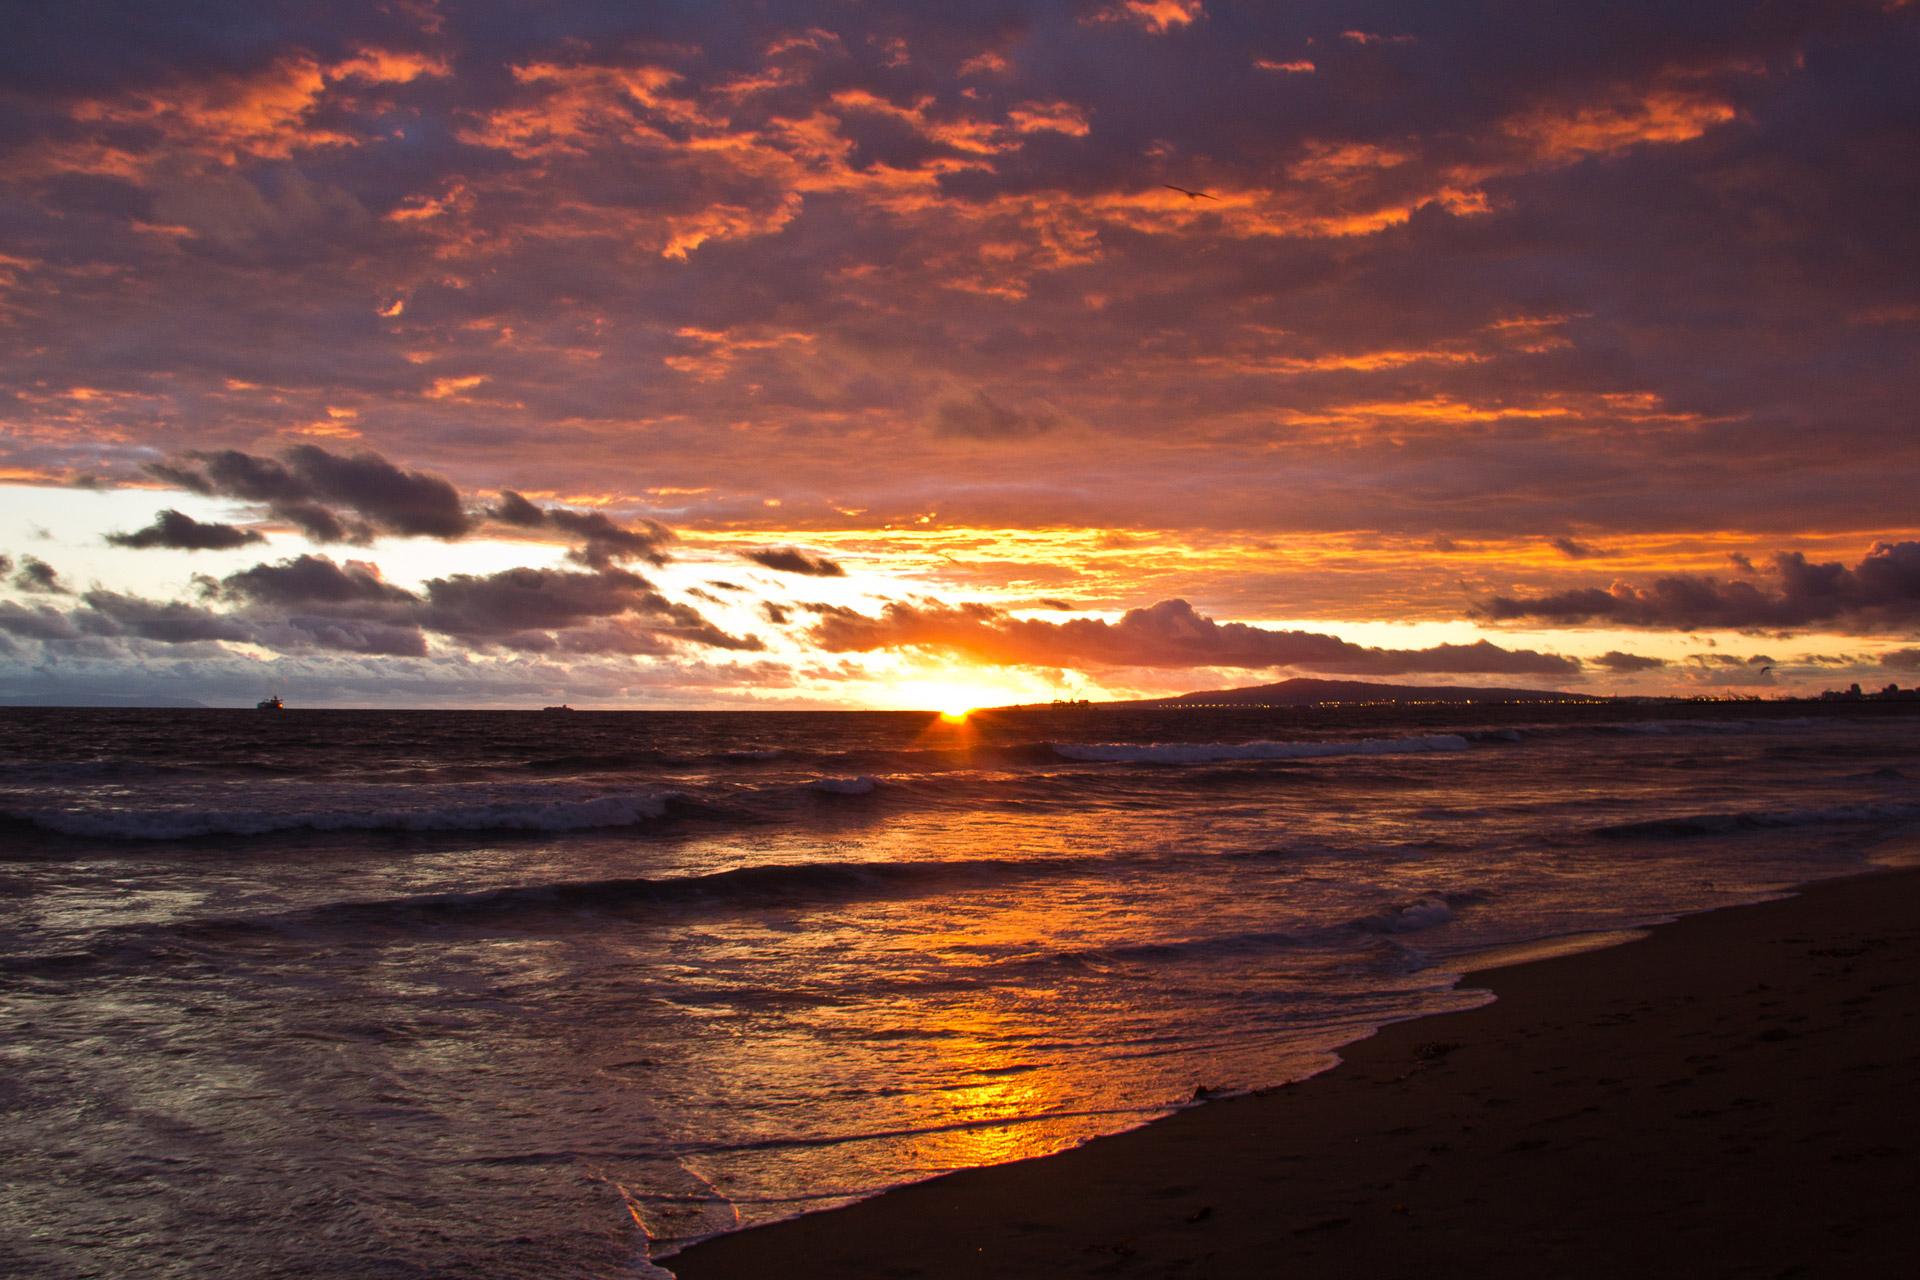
<point x="1729" y="1093"/>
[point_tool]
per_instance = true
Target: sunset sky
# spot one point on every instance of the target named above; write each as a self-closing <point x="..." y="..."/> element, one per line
<point x="849" y="354"/>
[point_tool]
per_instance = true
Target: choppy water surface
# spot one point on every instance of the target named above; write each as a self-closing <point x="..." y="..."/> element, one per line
<point x="512" y="994"/>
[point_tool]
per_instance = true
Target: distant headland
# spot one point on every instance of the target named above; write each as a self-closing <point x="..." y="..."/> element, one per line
<point x="1306" y="692"/>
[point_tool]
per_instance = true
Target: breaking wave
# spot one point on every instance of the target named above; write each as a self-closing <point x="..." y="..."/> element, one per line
<point x="859" y="786"/>
<point x="1714" y="824"/>
<point x="1428" y="912"/>
<point x="1223" y="945"/>
<point x="1207" y="752"/>
<point x="619" y="810"/>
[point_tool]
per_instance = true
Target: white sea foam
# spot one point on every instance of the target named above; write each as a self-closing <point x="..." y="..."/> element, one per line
<point x="1205" y="752"/>
<point x="1409" y="917"/>
<point x="859" y="786"/>
<point x="620" y="810"/>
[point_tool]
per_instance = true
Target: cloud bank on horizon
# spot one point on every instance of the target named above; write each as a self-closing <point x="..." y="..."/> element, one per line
<point x="1524" y="319"/>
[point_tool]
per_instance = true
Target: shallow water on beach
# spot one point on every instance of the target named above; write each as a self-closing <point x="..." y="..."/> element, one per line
<point x="512" y="994"/>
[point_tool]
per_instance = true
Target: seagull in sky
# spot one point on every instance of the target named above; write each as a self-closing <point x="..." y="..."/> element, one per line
<point x="1191" y="195"/>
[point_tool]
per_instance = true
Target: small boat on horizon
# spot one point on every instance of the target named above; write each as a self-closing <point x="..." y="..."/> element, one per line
<point x="562" y="707"/>
<point x="270" y="703"/>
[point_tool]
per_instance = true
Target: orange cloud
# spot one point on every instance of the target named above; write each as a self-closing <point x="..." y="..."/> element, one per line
<point x="1053" y="117"/>
<point x="1561" y="133"/>
<point x="571" y="106"/>
<point x="1158" y="16"/>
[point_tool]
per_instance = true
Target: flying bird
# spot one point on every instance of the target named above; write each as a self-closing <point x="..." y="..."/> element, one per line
<point x="1191" y="195"/>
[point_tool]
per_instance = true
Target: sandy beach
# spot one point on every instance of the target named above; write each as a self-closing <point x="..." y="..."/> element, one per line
<point x="1736" y="1094"/>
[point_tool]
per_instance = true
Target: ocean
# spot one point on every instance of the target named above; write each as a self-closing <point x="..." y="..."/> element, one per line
<point x="522" y="994"/>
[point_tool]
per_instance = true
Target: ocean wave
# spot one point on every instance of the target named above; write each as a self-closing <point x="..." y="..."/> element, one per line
<point x="600" y="762"/>
<point x="57" y="772"/>
<point x="1427" y="912"/>
<point x="1664" y="728"/>
<point x="859" y="786"/>
<point x="778" y="886"/>
<point x="773" y="885"/>
<point x="619" y="810"/>
<point x="630" y="761"/>
<point x="1714" y="824"/>
<point x="1229" y="944"/>
<point x="1207" y="752"/>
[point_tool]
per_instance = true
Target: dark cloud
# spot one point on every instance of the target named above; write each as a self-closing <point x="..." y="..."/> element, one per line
<point x="321" y="524"/>
<point x="182" y="532"/>
<point x="521" y="600"/>
<point x="662" y="634"/>
<point x="309" y="602"/>
<point x="602" y="542"/>
<point x="1882" y="590"/>
<point x="605" y="543"/>
<point x="514" y="509"/>
<point x="343" y="635"/>
<point x="398" y="499"/>
<point x="309" y="579"/>
<point x="169" y="622"/>
<point x="306" y="481"/>
<point x="774" y="613"/>
<point x="794" y="560"/>
<point x="6" y="565"/>
<point x="37" y="623"/>
<point x="1626" y="663"/>
<point x="1169" y="634"/>
<point x="1575" y="550"/>
<point x="972" y="414"/>
<point x="1901" y="660"/>
<point x="544" y="609"/>
<point x="39" y="577"/>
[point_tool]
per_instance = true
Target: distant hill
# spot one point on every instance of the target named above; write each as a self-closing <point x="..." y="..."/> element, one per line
<point x="93" y="700"/>
<point x="1304" y="692"/>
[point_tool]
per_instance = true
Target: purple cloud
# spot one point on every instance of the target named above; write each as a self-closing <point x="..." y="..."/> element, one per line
<point x="182" y="532"/>
<point x="794" y="560"/>
<point x="1169" y="634"/>
<point x="1882" y="590"/>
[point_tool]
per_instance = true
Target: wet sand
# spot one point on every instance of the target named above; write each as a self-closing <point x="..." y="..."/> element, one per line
<point x="1737" y="1094"/>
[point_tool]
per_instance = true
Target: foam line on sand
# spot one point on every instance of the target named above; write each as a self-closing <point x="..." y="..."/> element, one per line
<point x="1737" y="1094"/>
